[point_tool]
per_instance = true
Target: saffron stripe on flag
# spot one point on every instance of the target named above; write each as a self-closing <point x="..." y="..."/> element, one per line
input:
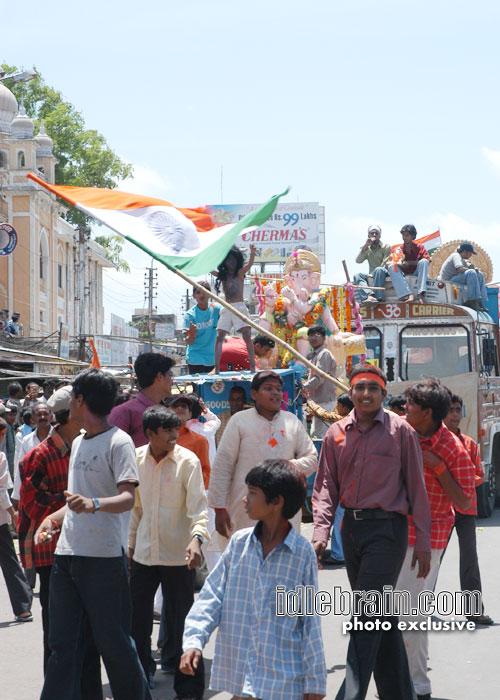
<point x="193" y="244"/>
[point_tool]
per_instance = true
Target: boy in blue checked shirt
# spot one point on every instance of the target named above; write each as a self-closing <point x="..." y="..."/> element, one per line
<point x="259" y="654"/>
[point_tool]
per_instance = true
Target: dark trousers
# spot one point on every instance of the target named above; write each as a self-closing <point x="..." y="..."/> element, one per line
<point x="18" y="588"/>
<point x="200" y="369"/>
<point x="177" y="583"/>
<point x="91" y="683"/>
<point x="374" y="551"/>
<point x="470" y="578"/>
<point x="93" y="589"/>
<point x="44" y="576"/>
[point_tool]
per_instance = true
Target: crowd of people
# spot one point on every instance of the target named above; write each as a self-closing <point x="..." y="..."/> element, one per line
<point x="118" y="498"/>
<point x="117" y="501"/>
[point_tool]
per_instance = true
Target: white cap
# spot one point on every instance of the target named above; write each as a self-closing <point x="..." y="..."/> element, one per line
<point x="374" y="228"/>
<point x="59" y="401"/>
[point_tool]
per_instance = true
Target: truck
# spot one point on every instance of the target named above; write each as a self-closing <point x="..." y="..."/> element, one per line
<point x="458" y="345"/>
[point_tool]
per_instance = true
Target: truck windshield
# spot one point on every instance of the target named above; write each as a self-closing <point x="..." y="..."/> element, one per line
<point x="437" y="351"/>
<point x="373" y="347"/>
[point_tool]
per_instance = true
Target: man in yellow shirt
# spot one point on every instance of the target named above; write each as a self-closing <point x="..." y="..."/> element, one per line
<point x="167" y="527"/>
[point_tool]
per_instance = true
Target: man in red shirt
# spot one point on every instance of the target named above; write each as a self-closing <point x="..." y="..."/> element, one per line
<point x="449" y="480"/>
<point x="413" y="259"/>
<point x="465" y="521"/>
<point x="371" y="464"/>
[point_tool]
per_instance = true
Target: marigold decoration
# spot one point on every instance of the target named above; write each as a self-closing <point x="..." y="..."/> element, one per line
<point x="341" y="321"/>
<point x="335" y="304"/>
<point x="279" y="313"/>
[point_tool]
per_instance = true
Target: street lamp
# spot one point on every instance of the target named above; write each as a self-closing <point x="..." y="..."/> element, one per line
<point x="20" y="77"/>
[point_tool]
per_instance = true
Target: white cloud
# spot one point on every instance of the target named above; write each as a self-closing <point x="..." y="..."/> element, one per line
<point x="146" y="181"/>
<point x="493" y="157"/>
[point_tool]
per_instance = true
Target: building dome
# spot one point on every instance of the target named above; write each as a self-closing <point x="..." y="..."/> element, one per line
<point x="44" y="142"/>
<point x="8" y="109"/>
<point x="22" y="126"/>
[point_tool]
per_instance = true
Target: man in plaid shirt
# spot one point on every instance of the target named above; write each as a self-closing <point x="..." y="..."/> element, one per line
<point x="465" y="521"/>
<point x="44" y="475"/>
<point x="449" y="479"/>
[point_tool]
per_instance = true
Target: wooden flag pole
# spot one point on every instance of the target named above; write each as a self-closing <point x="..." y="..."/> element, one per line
<point x="258" y="328"/>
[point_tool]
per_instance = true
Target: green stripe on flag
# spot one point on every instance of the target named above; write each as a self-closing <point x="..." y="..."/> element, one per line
<point x="211" y="257"/>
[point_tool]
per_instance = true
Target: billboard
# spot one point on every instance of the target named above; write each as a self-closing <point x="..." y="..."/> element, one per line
<point x="103" y="347"/>
<point x="64" y="340"/>
<point x="165" y="331"/>
<point x="293" y="224"/>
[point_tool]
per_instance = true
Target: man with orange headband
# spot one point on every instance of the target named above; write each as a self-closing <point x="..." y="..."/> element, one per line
<point x="371" y="464"/>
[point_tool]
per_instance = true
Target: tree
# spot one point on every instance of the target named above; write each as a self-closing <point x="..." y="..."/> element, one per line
<point x="113" y="246"/>
<point x="84" y="157"/>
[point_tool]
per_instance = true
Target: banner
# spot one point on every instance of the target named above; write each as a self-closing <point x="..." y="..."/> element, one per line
<point x="291" y="226"/>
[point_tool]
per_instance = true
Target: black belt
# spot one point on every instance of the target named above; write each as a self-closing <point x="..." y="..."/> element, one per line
<point x="371" y="514"/>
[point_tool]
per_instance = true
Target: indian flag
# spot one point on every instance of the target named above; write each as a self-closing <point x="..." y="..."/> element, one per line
<point x="431" y="242"/>
<point x="185" y="239"/>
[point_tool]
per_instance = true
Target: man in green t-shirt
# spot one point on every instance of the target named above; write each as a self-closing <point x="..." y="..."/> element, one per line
<point x="377" y="255"/>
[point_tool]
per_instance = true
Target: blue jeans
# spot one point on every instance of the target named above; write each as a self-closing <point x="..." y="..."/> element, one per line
<point x="474" y="281"/>
<point x="361" y="278"/>
<point x="336" y="544"/>
<point x="401" y="285"/>
<point x="96" y="587"/>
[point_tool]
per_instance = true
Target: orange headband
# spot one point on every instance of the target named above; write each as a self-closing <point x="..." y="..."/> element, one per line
<point x="370" y="376"/>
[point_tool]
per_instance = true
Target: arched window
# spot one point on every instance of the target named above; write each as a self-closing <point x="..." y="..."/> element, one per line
<point x="44" y="256"/>
<point x="3" y="159"/>
<point x="20" y="159"/>
<point x="61" y="272"/>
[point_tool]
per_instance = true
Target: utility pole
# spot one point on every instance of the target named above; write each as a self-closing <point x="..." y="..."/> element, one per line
<point x="150" y="283"/>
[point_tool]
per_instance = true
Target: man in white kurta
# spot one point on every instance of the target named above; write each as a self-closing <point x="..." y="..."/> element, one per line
<point x="263" y="432"/>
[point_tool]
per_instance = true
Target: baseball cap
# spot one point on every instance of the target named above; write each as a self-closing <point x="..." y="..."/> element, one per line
<point x="59" y="401"/>
<point x="4" y="409"/>
<point x="467" y="246"/>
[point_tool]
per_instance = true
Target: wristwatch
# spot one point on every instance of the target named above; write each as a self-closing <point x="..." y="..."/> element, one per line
<point x="199" y="538"/>
<point x="97" y="505"/>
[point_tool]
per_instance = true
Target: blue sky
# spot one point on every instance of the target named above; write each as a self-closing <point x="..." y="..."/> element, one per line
<point x="385" y="112"/>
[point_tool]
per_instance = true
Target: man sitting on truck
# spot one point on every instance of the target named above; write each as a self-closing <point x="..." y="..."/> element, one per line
<point x="458" y="270"/>
<point x="413" y="259"/>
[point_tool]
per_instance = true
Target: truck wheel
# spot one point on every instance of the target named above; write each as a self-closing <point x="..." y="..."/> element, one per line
<point x="486" y="494"/>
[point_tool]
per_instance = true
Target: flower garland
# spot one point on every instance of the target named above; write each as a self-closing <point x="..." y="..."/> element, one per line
<point x="335" y="304"/>
<point x="279" y="313"/>
<point x="341" y="321"/>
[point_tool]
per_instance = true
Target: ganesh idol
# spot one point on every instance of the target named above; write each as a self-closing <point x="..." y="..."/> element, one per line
<point x="301" y="304"/>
